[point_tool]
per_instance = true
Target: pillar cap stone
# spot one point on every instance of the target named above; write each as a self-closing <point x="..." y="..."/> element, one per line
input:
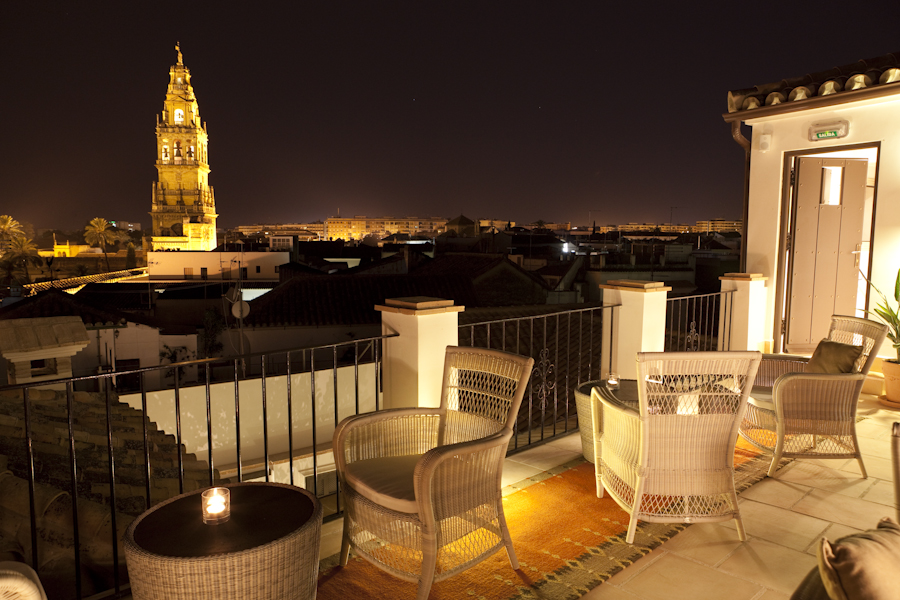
<point x="635" y="285"/>
<point x="418" y="305"/>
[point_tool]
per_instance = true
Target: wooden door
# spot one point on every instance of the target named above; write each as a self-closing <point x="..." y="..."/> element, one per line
<point x="825" y="238"/>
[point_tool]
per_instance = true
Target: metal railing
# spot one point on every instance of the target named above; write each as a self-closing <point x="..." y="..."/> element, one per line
<point x="568" y="347"/>
<point x="699" y="323"/>
<point x="103" y="449"/>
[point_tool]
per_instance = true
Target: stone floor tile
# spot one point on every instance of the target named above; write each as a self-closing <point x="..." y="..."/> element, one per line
<point x="639" y="565"/>
<point x="779" y="525"/>
<point x="875" y="467"/>
<point x="834" y="532"/>
<point x="330" y="541"/>
<point x="570" y="442"/>
<point x="824" y="478"/>
<point x="873" y="428"/>
<point x="828" y="463"/>
<point x="880" y="448"/>
<point x="881" y="492"/>
<point x="776" y="491"/>
<point x="543" y="457"/>
<point x="514" y="472"/>
<point x="709" y="543"/>
<point x="773" y="595"/>
<point x="674" y="577"/>
<point x="604" y="591"/>
<point x="845" y="510"/>
<point x="771" y="565"/>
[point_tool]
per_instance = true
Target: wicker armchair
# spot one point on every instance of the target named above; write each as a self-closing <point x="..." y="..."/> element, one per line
<point x="672" y="460"/>
<point x="794" y="414"/>
<point x="422" y="486"/>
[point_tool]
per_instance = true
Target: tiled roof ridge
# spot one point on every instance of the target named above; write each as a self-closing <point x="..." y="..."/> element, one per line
<point x="53" y="298"/>
<point x="864" y="73"/>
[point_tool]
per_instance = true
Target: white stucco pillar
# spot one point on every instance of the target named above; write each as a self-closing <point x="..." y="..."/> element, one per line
<point x="414" y="360"/>
<point x="748" y="311"/>
<point x="639" y="325"/>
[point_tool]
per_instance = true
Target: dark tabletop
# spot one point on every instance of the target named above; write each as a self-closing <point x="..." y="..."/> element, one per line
<point x="260" y="513"/>
<point x="626" y="396"/>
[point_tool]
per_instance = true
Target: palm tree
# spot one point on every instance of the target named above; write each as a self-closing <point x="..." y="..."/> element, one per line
<point x="9" y="229"/>
<point x="100" y="233"/>
<point x="23" y="251"/>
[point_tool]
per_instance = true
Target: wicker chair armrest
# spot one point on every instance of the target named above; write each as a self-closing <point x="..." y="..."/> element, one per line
<point x="621" y="436"/>
<point x="393" y="432"/>
<point x="817" y="396"/>
<point x="453" y="478"/>
<point x="774" y="366"/>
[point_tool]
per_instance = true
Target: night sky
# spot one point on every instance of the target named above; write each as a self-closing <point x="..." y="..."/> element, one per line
<point x="558" y="110"/>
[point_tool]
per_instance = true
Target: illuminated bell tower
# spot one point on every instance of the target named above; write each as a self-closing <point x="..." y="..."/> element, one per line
<point x="184" y="208"/>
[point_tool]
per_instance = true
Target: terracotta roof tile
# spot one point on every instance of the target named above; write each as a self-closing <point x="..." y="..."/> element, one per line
<point x="348" y="299"/>
<point x="863" y="74"/>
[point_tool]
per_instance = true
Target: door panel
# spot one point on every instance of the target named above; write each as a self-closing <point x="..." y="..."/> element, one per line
<point x="826" y="232"/>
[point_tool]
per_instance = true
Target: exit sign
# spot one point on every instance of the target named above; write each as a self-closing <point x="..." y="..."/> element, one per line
<point x="829" y="131"/>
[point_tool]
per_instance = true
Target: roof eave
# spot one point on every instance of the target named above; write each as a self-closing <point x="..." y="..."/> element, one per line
<point x="871" y="93"/>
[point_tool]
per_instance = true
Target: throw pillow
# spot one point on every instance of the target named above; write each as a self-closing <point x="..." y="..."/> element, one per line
<point x="833" y="357"/>
<point x="862" y="565"/>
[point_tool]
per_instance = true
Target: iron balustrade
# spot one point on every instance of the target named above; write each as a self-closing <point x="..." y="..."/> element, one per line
<point x="48" y="443"/>
<point x="699" y="323"/>
<point x="569" y="347"/>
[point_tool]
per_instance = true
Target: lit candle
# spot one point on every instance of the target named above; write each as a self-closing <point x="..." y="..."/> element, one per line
<point x="216" y="505"/>
<point x="612" y="381"/>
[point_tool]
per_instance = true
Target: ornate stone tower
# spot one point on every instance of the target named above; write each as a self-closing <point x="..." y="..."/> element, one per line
<point x="184" y="208"/>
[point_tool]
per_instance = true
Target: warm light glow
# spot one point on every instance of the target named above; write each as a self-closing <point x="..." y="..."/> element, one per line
<point x="832" y="178"/>
<point x="612" y="381"/>
<point x="216" y="505"/>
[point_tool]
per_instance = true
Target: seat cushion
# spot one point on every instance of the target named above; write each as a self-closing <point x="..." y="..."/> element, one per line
<point x="386" y="481"/>
<point x="761" y="397"/>
<point x="862" y="565"/>
<point x="833" y="357"/>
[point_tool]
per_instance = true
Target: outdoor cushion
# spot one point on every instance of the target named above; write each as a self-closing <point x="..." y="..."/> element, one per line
<point x="861" y="566"/>
<point x="833" y="357"/>
<point x="387" y="481"/>
<point x="19" y="581"/>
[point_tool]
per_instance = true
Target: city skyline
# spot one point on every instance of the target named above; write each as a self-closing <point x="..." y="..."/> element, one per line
<point x="525" y="111"/>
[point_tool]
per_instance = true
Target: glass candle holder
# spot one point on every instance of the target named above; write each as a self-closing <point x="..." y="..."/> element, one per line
<point x="216" y="505"/>
<point x="612" y="381"/>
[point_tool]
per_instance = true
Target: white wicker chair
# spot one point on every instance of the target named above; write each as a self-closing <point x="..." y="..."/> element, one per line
<point x="422" y="486"/>
<point x="18" y="581"/>
<point x="794" y="414"/>
<point x="673" y="459"/>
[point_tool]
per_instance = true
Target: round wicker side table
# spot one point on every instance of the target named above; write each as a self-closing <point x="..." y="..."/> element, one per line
<point x="267" y="550"/>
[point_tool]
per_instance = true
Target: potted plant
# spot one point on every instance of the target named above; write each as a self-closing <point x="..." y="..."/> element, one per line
<point x="891" y="317"/>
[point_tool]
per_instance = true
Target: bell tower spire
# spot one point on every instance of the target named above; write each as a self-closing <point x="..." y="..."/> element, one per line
<point x="183" y="208"/>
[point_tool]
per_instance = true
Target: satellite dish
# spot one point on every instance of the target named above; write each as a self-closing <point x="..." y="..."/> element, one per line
<point x="233" y="294"/>
<point x="240" y="309"/>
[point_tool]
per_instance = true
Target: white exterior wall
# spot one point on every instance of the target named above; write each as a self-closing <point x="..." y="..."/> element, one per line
<point x="876" y="120"/>
<point x="161" y="409"/>
<point x="171" y="265"/>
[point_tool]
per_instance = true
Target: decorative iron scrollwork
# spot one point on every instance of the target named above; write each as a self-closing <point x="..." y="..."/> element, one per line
<point x="541" y="379"/>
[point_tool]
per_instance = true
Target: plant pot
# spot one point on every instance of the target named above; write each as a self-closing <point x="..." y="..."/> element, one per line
<point x="891" y="370"/>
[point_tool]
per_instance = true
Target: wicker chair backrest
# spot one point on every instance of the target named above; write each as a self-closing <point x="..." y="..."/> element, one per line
<point x="482" y="392"/>
<point x="858" y="332"/>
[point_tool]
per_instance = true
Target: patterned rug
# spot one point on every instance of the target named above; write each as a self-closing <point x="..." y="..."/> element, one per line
<point x="567" y="540"/>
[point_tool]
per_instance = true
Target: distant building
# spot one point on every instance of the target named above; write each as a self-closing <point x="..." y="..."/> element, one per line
<point x="716" y="225"/>
<point x="216" y="266"/>
<point x="125" y="225"/>
<point x="358" y="227"/>
<point x="183" y="211"/>
<point x="303" y="231"/>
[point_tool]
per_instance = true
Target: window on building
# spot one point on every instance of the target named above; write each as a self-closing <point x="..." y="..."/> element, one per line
<point x="257" y="269"/>
<point x="203" y="273"/>
<point x="243" y="272"/>
<point x="276" y="268"/>
<point x="179" y="115"/>
<point x="43" y="366"/>
<point x="189" y="272"/>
